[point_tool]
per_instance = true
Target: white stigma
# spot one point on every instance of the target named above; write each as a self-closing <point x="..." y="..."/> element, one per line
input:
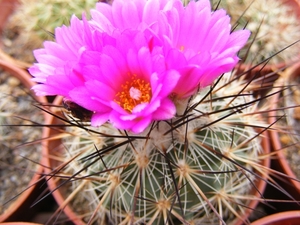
<point x="135" y="93"/>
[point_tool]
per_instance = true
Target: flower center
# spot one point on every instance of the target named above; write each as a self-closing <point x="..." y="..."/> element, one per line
<point x="135" y="91"/>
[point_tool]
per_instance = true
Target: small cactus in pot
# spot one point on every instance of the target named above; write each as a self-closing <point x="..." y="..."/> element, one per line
<point x="200" y="168"/>
<point x="156" y="134"/>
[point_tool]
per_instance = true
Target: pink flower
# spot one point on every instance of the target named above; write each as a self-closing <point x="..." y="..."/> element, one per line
<point x="121" y="78"/>
<point x="128" y="84"/>
<point x="206" y="46"/>
<point x="135" y="59"/>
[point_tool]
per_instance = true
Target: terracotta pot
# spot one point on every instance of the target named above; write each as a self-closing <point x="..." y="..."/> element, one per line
<point x="23" y="202"/>
<point x="6" y="9"/>
<point x="52" y="145"/>
<point x="19" y="223"/>
<point x="292" y="183"/>
<point x="283" y="218"/>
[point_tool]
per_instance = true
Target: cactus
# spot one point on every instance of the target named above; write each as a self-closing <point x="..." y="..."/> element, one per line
<point x="169" y="143"/>
<point x="199" y="168"/>
<point x="33" y="22"/>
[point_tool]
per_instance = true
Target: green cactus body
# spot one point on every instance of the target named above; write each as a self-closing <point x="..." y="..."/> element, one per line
<point x="37" y="17"/>
<point x="194" y="170"/>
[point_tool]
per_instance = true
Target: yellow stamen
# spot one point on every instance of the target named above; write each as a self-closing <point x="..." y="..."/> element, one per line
<point x="135" y="91"/>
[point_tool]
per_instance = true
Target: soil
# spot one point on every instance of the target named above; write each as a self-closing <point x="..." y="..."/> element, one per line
<point x="17" y="44"/>
<point x="18" y="160"/>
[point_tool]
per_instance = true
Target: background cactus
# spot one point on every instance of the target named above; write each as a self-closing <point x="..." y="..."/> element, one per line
<point x="200" y="168"/>
<point x="43" y="17"/>
<point x="274" y="24"/>
<point x="35" y="21"/>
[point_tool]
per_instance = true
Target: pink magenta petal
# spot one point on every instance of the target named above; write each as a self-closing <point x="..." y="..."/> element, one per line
<point x="139" y="108"/>
<point x="150" y="11"/>
<point x="164" y="83"/>
<point x="166" y="111"/>
<point x="105" y="10"/>
<point x="83" y="97"/>
<point x="189" y="82"/>
<point x="99" y="119"/>
<point x="150" y="108"/>
<point x="175" y="59"/>
<point x="130" y="15"/>
<point x="119" y="123"/>
<point x="117" y="108"/>
<point x="128" y="117"/>
<point x="43" y="90"/>
<point x="141" y="125"/>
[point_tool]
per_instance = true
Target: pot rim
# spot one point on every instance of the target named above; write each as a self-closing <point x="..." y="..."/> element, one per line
<point x="274" y="134"/>
<point x="279" y="217"/>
